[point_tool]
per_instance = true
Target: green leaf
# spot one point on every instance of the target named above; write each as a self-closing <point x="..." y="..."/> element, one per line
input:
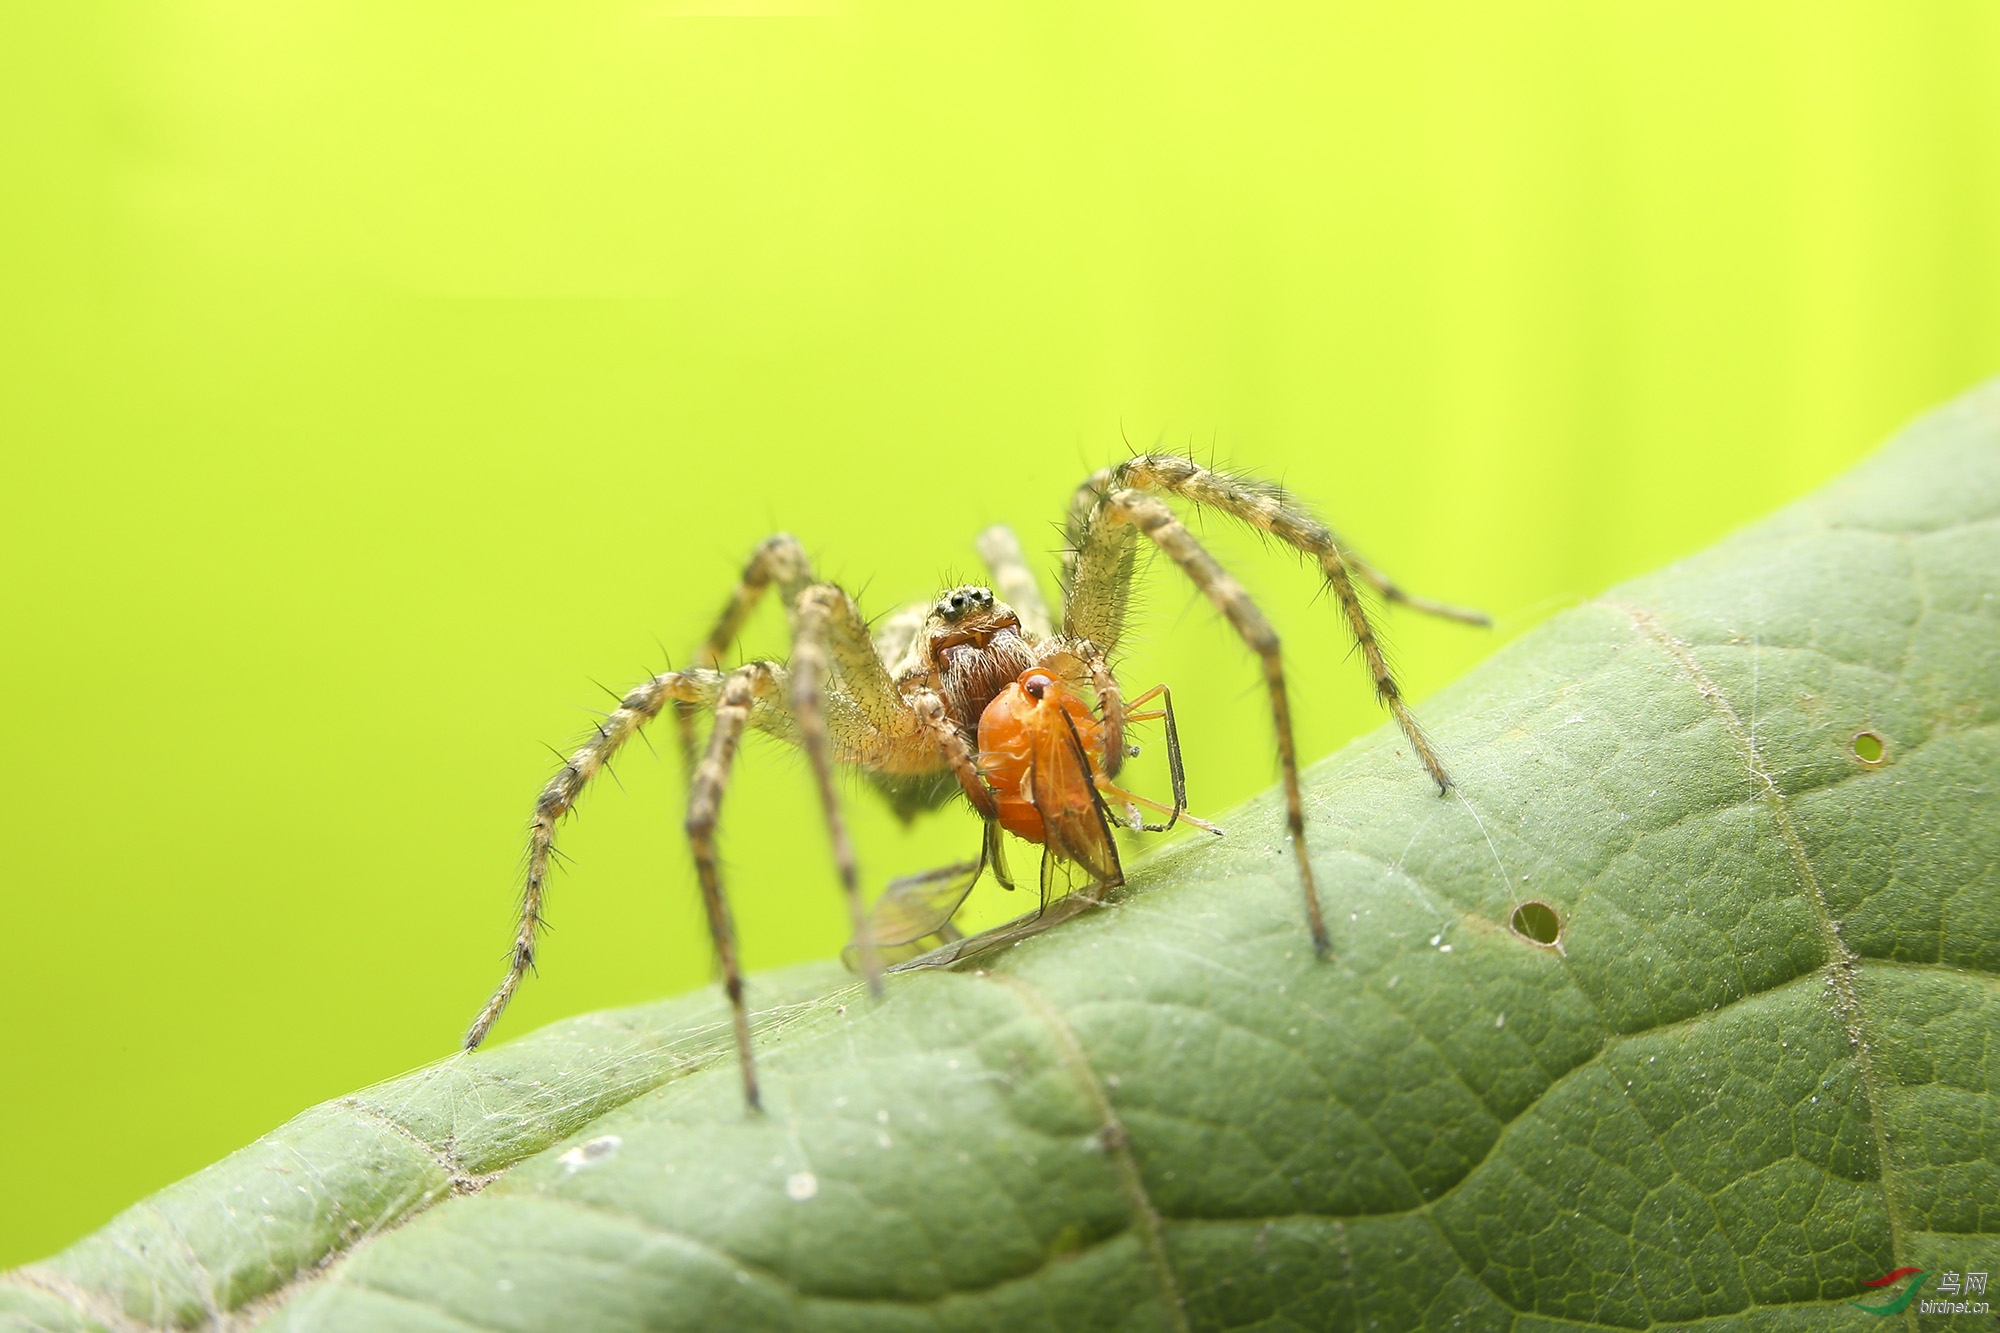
<point x="1756" y="1070"/>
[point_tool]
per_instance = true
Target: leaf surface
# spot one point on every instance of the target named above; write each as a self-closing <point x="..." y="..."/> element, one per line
<point x="1758" y="1069"/>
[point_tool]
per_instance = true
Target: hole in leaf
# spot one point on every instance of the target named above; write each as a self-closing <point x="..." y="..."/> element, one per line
<point x="1870" y="748"/>
<point x="1537" y="922"/>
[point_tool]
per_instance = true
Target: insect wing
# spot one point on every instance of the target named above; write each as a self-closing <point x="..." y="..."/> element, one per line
<point x="919" y="905"/>
<point x="1074" y="821"/>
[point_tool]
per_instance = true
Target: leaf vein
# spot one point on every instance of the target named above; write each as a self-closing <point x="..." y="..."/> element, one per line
<point x="1117" y="1147"/>
<point x="1841" y="961"/>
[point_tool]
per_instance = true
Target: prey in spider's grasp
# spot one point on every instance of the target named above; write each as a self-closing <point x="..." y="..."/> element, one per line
<point x="1042" y="755"/>
<point x="907" y="703"/>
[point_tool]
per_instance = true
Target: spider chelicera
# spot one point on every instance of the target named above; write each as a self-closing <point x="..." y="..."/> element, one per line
<point x="903" y="702"/>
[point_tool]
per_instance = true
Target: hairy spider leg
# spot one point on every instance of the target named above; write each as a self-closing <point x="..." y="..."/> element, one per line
<point x="1386" y="691"/>
<point x="958" y="755"/>
<point x="1152" y="517"/>
<point x="1096" y="611"/>
<point x="1394" y="592"/>
<point x="778" y="559"/>
<point x="1111" y="704"/>
<point x="639" y="706"/>
<point x="711" y="780"/>
<point x="848" y="705"/>
<point x="895" y="634"/>
<point x="1014" y="580"/>
<point x="915" y="906"/>
<point x="845" y="709"/>
<point x="831" y="637"/>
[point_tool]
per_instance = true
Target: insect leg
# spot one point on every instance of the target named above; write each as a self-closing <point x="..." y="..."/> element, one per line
<point x="1176" y="773"/>
<point x="1118" y="793"/>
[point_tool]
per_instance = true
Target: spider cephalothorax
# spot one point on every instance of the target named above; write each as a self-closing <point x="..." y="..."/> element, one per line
<point x="968" y="649"/>
<point x="909" y="701"/>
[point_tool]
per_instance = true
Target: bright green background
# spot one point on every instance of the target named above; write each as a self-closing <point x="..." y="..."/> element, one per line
<point x="371" y="381"/>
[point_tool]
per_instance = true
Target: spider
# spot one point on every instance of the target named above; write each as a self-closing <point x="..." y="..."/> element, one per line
<point x="902" y="702"/>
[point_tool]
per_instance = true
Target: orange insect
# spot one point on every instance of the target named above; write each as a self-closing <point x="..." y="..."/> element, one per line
<point x="1042" y="760"/>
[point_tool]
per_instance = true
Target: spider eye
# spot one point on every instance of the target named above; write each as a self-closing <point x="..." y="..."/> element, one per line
<point x="1037" y="685"/>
